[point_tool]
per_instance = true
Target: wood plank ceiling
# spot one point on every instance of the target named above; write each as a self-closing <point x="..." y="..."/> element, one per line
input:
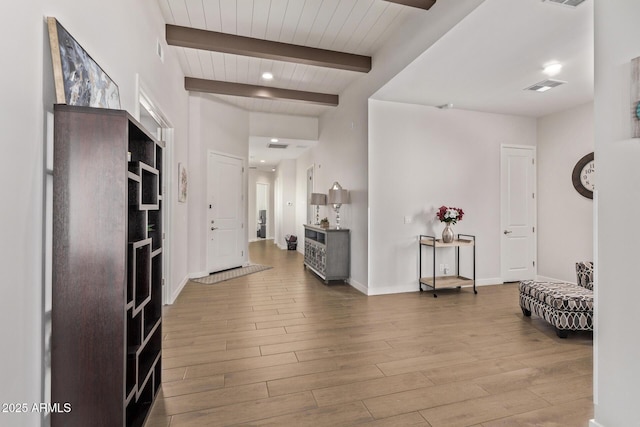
<point x="351" y="26"/>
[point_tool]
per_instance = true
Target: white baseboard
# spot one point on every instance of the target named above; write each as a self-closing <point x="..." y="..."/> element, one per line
<point x="358" y="286"/>
<point x="198" y="274"/>
<point x="594" y="423"/>
<point x="176" y="293"/>
<point x="413" y="287"/>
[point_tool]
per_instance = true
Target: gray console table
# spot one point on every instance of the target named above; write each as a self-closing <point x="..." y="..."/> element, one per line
<point x="327" y="252"/>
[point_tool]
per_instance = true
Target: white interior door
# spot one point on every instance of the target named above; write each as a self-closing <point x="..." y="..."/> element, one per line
<point x="225" y="213"/>
<point x="518" y="207"/>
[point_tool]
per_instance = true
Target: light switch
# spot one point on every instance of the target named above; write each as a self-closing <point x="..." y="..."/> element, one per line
<point x="408" y="219"/>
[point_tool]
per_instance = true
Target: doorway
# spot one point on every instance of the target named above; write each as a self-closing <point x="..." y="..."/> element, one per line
<point x="262" y="210"/>
<point x="518" y="212"/>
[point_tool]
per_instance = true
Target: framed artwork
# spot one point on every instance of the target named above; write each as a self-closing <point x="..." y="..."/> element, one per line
<point x="182" y="183"/>
<point x="79" y="80"/>
<point x="635" y="98"/>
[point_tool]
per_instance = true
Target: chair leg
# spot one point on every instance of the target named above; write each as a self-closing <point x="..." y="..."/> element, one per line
<point x="562" y="333"/>
<point x="526" y="312"/>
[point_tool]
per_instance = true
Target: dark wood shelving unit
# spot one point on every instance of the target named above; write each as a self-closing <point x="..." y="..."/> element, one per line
<point x="107" y="268"/>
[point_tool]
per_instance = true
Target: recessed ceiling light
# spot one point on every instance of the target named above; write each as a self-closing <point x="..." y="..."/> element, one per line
<point x="274" y="139"/>
<point x="273" y="170"/>
<point x="267" y="76"/>
<point x="552" y="69"/>
<point x="261" y="161"/>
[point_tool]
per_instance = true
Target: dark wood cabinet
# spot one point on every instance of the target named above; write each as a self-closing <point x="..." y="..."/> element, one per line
<point x="107" y="268"/>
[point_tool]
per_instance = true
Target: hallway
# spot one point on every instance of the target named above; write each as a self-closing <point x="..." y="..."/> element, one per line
<point x="281" y="348"/>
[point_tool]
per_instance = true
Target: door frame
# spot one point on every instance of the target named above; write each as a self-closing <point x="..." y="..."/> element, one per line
<point x="534" y="208"/>
<point x="244" y="207"/>
<point x="167" y="136"/>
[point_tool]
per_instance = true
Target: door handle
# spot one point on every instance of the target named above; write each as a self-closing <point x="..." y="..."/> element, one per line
<point x="214" y="228"/>
<point x="507" y="232"/>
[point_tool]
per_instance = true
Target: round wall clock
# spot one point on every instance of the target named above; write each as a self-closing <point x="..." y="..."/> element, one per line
<point x="583" y="176"/>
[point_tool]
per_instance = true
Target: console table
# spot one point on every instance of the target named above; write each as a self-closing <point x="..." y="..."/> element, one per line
<point x="327" y="252"/>
<point x="452" y="281"/>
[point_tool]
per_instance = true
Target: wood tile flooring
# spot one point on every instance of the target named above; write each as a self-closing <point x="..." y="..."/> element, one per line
<point x="281" y="348"/>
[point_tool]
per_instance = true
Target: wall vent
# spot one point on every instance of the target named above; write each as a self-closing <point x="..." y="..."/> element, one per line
<point x="253" y="167"/>
<point x="545" y="85"/>
<point x="570" y="3"/>
<point x="278" y="146"/>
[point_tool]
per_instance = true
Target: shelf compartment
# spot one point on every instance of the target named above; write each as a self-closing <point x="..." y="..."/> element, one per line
<point x="446" y="281"/>
<point x="148" y="355"/>
<point x="140" y="273"/>
<point x="154" y="228"/>
<point x="150" y="184"/>
<point x="440" y="244"/>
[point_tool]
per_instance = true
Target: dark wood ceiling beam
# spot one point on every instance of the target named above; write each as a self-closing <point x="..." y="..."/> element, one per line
<point x="262" y="92"/>
<point x="420" y="4"/>
<point x="239" y="45"/>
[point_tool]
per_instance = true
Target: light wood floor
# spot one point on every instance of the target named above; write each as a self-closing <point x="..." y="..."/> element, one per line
<point x="281" y="348"/>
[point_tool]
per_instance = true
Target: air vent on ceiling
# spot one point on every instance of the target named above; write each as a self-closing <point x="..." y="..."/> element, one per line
<point x="253" y="167"/>
<point x="570" y="3"/>
<point x="279" y="146"/>
<point x="545" y="85"/>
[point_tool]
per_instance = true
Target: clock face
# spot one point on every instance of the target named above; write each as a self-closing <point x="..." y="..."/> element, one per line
<point x="583" y="176"/>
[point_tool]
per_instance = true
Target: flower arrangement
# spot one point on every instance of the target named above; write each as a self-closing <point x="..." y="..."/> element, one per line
<point x="449" y="215"/>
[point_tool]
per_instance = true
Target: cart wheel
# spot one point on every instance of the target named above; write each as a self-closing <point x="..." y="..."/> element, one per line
<point x="475" y="292"/>
<point x="435" y="296"/>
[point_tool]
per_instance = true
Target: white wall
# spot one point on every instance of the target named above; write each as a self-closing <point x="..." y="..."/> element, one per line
<point x="565" y="218"/>
<point x="617" y="349"/>
<point x="286" y="212"/>
<point x="221" y="128"/>
<point x="342" y="149"/>
<point x="263" y="177"/>
<point x="29" y="98"/>
<point x="425" y="158"/>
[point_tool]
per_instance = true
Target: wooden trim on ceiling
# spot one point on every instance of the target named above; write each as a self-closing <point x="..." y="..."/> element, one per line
<point x="262" y="92"/>
<point x="239" y="45"/>
<point x="420" y="4"/>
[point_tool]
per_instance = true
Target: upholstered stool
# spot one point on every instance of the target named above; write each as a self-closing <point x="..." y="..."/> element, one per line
<point x="566" y="306"/>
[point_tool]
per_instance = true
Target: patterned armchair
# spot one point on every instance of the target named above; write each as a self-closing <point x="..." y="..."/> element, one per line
<point x="584" y="273"/>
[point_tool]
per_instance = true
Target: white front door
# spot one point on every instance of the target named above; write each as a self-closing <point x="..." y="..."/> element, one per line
<point x="225" y="213"/>
<point x="518" y="207"/>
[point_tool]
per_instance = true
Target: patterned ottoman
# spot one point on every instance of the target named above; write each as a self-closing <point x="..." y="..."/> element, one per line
<point x="566" y="306"/>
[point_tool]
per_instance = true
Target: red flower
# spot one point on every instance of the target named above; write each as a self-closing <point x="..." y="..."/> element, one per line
<point x="449" y="214"/>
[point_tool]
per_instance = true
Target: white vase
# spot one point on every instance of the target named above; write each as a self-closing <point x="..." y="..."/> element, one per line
<point x="447" y="233"/>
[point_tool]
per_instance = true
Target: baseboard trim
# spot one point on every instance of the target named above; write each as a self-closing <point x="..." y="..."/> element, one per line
<point x="177" y="292"/>
<point x="358" y="286"/>
<point x="594" y="423"/>
<point x="198" y="274"/>
<point x="413" y="287"/>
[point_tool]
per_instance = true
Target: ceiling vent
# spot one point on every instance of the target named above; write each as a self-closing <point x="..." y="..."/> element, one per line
<point x="278" y="146"/>
<point x="570" y="3"/>
<point x="545" y="85"/>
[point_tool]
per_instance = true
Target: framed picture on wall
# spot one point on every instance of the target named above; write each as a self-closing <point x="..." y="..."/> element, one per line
<point x="182" y="183"/>
<point x="79" y="80"/>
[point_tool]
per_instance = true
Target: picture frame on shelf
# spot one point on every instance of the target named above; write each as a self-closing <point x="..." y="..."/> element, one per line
<point x="78" y="79"/>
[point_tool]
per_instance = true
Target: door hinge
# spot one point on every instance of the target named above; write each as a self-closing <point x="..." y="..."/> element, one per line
<point x="533" y="229"/>
<point x="242" y="225"/>
<point x="243" y="169"/>
<point x="163" y="282"/>
<point x="533" y="195"/>
<point x="241" y="253"/>
<point x="533" y="161"/>
<point x="534" y="263"/>
<point x="163" y="236"/>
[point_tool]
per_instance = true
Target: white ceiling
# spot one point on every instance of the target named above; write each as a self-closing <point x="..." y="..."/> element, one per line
<point x="352" y="26"/>
<point x="485" y="62"/>
<point x="482" y="64"/>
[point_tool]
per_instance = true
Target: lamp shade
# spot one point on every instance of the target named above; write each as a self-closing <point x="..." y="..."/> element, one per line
<point x="338" y="195"/>
<point x="318" y="199"/>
